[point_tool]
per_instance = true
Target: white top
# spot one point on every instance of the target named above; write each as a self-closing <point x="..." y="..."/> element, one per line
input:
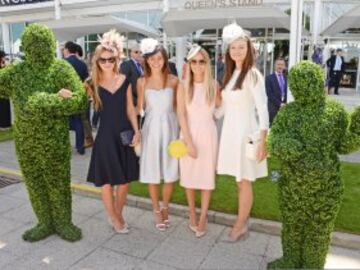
<point x="338" y="63"/>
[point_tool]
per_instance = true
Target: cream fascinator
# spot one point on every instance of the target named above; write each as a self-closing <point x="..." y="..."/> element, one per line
<point x="149" y="46"/>
<point x="232" y="32"/>
<point x="112" y="41"/>
<point x="194" y="49"/>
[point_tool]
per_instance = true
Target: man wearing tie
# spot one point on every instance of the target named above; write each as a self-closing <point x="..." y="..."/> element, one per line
<point x="276" y="89"/>
<point x="133" y="69"/>
<point x="336" y="66"/>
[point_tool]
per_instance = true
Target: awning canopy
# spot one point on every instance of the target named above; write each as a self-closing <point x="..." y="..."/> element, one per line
<point x="72" y="28"/>
<point x="351" y="19"/>
<point x="180" y="22"/>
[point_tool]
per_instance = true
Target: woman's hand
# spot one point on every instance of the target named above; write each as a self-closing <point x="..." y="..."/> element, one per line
<point x="65" y="93"/>
<point x="261" y="152"/>
<point x="136" y="139"/>
<point x="192" y="152"/>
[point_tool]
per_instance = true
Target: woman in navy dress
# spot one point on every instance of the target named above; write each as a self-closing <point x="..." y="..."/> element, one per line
<point x="113" y="163"/>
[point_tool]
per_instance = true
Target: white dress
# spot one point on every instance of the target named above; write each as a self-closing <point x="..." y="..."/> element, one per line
<point x="159" y="129"/>
<point x="245" y="112"/>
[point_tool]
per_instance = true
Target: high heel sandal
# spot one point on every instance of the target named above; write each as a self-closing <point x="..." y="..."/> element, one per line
<point x="242" y="235"/>
<point x="200" y="234"/>
<point x="126" y="225"/>
<point x="192" y="228"/>
<point x="166" y="221"/>
<point x="124" y="230"/>
<point x="160" y="226"/>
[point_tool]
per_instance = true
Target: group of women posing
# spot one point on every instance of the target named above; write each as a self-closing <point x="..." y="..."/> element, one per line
<point x="174" y="110"/>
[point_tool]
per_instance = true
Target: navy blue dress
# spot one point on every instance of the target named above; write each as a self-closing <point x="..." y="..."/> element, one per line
<point x="112" y="162"/>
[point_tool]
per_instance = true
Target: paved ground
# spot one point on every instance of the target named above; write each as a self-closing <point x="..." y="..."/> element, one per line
<point x="143" y="248"/>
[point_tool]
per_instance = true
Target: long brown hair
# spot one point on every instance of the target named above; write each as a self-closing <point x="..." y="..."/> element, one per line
<point x="165" y="69"/>
<point x="96" y="74"/>
<point x="247" y="65"/>
<point x="208" y="80"/>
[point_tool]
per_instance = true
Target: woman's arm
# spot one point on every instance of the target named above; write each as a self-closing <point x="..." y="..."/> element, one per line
<point x="140" y="89"/>
<point x="132" y="116"/>
<point x="217" y="95"/>
<point x="182" y="118"/>
<point x="260" y="98"/>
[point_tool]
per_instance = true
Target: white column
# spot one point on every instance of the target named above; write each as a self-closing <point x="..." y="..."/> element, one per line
<point x="57" y="17"/>
<point x="316" y="23"/>
<point x="165" y="9"/>
<point x="265" y="51"/>
<point x="180" y="53"/>
<point x="6" y="37"/>
<point x="273" y="50"/>
<point x="295" y="35"/>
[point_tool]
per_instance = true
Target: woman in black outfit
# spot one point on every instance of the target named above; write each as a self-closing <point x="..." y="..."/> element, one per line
<point x="5" y="114"/>
<point x="113" y="163"/>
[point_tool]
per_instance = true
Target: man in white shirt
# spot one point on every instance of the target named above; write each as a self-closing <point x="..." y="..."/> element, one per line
<point x="336" y="66"/>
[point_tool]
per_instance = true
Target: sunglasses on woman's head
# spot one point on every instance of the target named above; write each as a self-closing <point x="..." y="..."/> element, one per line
<point x="200" y="62"/>
<point x="111" y="60"/>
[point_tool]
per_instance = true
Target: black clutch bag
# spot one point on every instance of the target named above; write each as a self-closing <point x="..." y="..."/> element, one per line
<point x="126" y="137"/>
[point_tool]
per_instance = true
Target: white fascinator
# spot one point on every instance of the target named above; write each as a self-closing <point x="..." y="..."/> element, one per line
<point x="194" y="49"/>
<point x="232" y="32"/>
<point x="149" y="46"/>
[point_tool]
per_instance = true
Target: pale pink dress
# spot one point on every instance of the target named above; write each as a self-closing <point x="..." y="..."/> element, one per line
<point x="199" y="173"/>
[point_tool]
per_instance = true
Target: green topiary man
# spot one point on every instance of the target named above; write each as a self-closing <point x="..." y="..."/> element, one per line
<point x="307" y="136"/>
<point x="41" y="129"/>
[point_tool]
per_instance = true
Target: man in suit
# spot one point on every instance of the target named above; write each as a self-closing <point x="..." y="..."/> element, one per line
<point x="132" y="68"/>
<point x="336" y="66"/>
<point x="276" y="89"/>
<point x="70" y="54"/>
<point x="172" y="68"/>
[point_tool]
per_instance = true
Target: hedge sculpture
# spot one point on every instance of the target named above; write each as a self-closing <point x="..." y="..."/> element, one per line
<point x="307" y="136"/>
<point x="41" y="130"/>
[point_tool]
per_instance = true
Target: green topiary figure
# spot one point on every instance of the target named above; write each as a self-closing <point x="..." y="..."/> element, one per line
<point x="307" y="136"/>
<point x="41" y="130"/>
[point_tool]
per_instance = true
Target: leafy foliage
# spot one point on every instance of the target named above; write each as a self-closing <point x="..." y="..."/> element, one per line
<point x="306" y="137"/>
<point x="41" y="130"/>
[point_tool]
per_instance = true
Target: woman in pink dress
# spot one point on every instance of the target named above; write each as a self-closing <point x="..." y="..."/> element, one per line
<point x="197" y="98"/>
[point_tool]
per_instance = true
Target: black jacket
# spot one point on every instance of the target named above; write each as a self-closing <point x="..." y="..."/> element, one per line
<point x="331" y="63"/>
<point x="79" y="66"/>
<point x="129" y="69"/>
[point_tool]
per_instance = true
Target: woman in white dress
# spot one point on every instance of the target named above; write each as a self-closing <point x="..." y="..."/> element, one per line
<point x="245" y="115"/>
<point x="157" y="95"/>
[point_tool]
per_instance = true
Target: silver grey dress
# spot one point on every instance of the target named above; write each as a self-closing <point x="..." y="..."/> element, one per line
<point x="159" y="129"/>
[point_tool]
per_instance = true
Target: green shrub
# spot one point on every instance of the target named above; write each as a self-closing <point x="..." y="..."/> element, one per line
<point x="306" y="137"/>
<point x="41" y="130"/>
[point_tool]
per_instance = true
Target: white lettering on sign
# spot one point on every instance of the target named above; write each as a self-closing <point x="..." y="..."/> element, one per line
<point x="209" y="4"/>
<point x="20" y="2"/>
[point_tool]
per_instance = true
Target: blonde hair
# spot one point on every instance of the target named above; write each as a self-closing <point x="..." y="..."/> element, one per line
<point x="209" y="83"/>
<point x="96" y="73"/>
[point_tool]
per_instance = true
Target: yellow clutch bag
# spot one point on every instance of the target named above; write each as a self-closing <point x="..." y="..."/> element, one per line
<point x="177" y="149"/>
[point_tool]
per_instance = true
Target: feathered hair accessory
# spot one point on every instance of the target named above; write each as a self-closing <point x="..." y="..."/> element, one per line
<point x="112" y="41"/>
<point x="193" y="50"/>
<point x="149" y="46"/>
<point x="232" y="32"/>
